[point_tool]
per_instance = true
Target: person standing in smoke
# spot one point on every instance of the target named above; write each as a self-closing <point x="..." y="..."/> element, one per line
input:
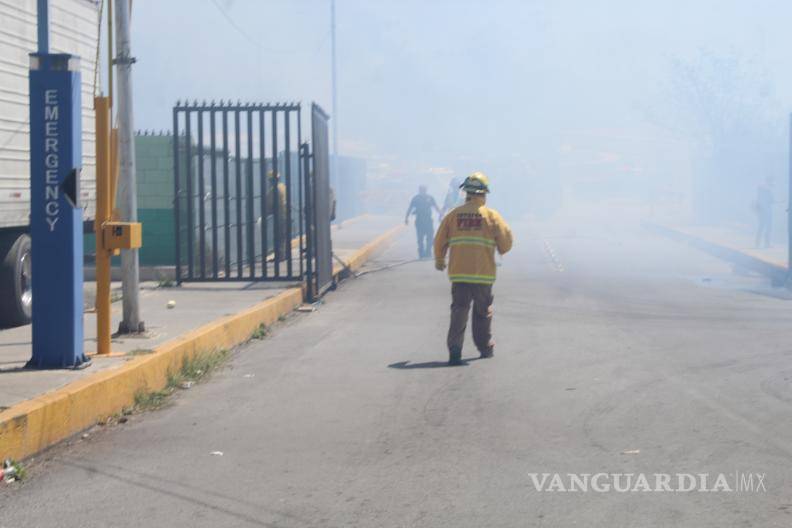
<point x="421" y="206"/>
<point x="764" y="212"/>
<point x="454" y="196"/>
<point x="471" y="234"/>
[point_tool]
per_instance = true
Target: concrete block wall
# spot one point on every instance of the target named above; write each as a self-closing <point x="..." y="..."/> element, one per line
<point x="154" y="160"/>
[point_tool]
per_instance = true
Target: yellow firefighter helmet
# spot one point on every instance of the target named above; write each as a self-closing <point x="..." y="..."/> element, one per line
<point x="476" y="183"/>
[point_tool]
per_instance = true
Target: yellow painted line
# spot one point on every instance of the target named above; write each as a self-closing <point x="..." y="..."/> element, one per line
<point x="35" y="424"/>
<point x="346" y="223"/>
<point x="349" y="221"/>
<point x="553" y="257"/>
<point x="363" y="254"/>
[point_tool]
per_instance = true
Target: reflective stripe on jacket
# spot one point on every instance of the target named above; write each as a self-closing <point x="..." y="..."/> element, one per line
<point x="471" y="233"/>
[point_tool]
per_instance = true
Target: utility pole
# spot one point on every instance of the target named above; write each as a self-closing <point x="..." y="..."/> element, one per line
<point x="127" y="184"/>
<point x="789" y="205"/>
<point x="335" y="96"/>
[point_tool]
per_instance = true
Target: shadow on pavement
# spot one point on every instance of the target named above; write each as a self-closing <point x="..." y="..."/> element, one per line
<point x="13" y="370"/>
<point x="406" y="365"/>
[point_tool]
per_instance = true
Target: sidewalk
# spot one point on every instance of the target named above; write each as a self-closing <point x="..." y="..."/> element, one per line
<point x="739" y="241"/>
<point x="732" y="245"/>
<point x="196" y="305"/>
<point x="205" y="316"/>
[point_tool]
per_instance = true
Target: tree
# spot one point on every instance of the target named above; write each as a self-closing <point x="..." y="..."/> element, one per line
<point x="723" y="106"/>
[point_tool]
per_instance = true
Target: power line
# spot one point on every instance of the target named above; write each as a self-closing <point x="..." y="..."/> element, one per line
<point x="234" y="24"/>
<point x="254" y="41"/>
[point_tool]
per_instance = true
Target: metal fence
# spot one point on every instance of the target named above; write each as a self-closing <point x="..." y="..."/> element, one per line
<point x="239" y="192"/>
<point x="320" y="243"/>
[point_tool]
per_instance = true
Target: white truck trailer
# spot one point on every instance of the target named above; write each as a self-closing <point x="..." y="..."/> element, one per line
<point x="74" y="29"/>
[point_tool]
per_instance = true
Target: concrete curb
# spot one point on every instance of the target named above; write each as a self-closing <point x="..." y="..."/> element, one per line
<point x="775" y="271"/>
<point x="363" y="254"/>
<point x="33" y="425"/>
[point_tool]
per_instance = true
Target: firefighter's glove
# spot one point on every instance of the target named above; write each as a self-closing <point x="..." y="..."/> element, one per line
<point x="440" y="265"/>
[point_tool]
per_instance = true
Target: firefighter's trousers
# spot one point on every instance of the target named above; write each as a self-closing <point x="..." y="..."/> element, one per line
<point x="462" y="295"/>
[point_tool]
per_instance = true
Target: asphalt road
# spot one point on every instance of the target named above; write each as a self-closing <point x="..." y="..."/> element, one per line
<point x="617" y="352"/>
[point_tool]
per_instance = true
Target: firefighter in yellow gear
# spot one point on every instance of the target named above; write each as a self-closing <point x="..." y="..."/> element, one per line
<point x="281" y="227"/>
<point x="471" y="233"/>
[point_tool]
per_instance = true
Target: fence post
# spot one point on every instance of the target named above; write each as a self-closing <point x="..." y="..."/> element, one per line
<point x="309" y="225"/>
<point x="176" y="204"/>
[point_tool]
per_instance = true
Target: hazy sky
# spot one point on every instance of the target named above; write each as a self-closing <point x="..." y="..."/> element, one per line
<point x="438" y="81"/>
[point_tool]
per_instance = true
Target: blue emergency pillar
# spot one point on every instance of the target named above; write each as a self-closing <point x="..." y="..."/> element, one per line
<point x="55" y="213"/>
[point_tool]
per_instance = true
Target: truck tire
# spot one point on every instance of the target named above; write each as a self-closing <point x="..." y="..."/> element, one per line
<point x="15" y="281"/>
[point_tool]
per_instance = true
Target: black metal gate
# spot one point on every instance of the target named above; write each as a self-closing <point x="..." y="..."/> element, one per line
<point x="319" y="240"/>
<point x="240" y="206"/>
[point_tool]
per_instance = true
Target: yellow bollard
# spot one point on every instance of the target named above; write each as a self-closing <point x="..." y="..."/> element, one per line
<point x="104" y="209"/>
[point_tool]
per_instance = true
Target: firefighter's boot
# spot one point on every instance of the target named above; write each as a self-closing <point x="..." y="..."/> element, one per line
<point x="455" y="356"/>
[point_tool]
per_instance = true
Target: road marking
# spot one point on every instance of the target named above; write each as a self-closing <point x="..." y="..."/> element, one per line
<point x="551" y="254"/>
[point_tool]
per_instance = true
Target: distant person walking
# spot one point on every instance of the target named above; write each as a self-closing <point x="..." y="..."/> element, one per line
<point x="454" y="196"/>
<point x="764" y="212"/>
<point x="421" y="206"/>
<point x="472" y="233"/>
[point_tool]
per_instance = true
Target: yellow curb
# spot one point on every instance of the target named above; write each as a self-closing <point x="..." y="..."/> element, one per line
<point x="33" y="425"/>
<point x="349" y="221"/>
<point x="36" y="424"/>
<point x="346" y="223"/>
<point x="363" y="254"/>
